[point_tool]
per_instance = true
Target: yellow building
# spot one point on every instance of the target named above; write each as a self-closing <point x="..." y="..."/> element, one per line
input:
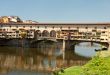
<point x="1" y="20"/>
<point x="5" y="19"/>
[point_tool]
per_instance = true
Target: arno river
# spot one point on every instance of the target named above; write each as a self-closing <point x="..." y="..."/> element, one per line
<point x="43" y="59"/>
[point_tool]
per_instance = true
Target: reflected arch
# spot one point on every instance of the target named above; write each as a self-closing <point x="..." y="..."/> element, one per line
<point x="53" y="33"/>
<point x="45" y="33"/>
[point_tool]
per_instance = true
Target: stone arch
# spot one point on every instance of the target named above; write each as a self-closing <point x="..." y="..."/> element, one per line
<point x="99" y="43"/>
<point x="53" y="33"/>
<point x="37" y="33"/>
<point x="71" y="44"/>
<point x="45" y="33"/>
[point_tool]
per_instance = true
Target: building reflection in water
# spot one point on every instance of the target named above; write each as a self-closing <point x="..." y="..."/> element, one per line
<point x="45" y="58"/>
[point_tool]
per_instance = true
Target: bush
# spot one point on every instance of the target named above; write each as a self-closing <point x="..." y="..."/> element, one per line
<point x="97" y="66"/>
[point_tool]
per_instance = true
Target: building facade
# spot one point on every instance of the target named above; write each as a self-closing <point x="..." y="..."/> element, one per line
<point x="72" y="31"/>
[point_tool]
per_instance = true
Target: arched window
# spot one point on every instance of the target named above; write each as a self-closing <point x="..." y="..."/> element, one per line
<point x="95" y="27"/>
<point x="86" y="27"/>
<point x="105" y="28"/>
<point x="37" y="26"/>
<point x="16" y="26"/>
<point x="10" y="26"/>
<point x="53" y="33"/>
<point x="53" y="27"/>
<point x="1" y="25"/>
<point x="23" y="26"/>
<point x="37" y="33"/>
<point x="30" y="26"/>
<point x="45" y="27"/>
<point x="68" y="27"/>
<point x="45" y="33"/>
<point x="77" y="27"/>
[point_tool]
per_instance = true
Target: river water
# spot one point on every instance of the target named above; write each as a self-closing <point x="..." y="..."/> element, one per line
<point x="43" y="59"/>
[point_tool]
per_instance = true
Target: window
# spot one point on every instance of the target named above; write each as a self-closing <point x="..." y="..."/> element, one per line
<point x="45" y="33"/>
<point x="30" y="26"/>
<point x="53" y="33"/>
<point x="77" y="27"/>
<point x="10" y="26"/>
<point x="3" y="29"/>
<point x="16" y="26"/>
<point x="1" y="25"/>
<point x="17" y="31"/>
<point x="45" y="27"/>
<point x="68" y="27"/>
<point x="23" y="26"/>
<point x="86" y="27"/>
<point x="95" y="27"/>
<point x="105" y="28"/>
<point x="53" y="27"/>
<point x="103" y="31"/>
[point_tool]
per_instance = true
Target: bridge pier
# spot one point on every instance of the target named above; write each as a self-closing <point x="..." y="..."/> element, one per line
<point x="68" y="45"/>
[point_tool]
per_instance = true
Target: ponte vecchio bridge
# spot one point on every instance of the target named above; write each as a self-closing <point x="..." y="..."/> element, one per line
<point x="89" y="32"/>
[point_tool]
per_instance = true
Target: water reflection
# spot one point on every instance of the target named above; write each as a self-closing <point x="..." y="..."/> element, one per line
<point x="43" y="59"/>
<point x="86" y="49"/>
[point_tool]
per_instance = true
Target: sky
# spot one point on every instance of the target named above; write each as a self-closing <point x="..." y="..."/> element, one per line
<point x="57" y="10"/>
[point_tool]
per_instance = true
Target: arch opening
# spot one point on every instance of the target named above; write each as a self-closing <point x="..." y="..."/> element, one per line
<point x="45" y="33"/>
<point x="53" y="33"/>
<point x="37" y="33"/>
<point x="87" y="49"/>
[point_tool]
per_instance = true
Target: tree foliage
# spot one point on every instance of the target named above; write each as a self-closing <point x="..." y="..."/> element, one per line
<point x="97" y="66"/>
